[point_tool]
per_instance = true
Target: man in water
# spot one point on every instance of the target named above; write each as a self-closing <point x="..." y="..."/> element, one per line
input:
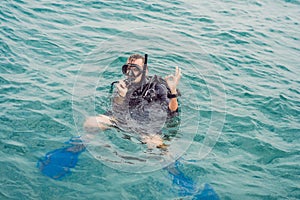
<point x="135" y="99"/>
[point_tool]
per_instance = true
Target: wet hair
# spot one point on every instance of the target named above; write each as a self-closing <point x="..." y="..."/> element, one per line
<point x="135" y="57"/>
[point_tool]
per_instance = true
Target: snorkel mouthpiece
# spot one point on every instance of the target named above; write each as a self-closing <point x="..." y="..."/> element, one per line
<point x="129" y="81"/>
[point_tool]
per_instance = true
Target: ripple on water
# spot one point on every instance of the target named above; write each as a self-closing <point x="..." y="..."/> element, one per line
<point x="251" y="46"/>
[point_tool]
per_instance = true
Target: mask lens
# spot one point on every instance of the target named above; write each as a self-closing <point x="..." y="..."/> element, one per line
<point x="124" y="69"/>
<point x="131" y="70"/>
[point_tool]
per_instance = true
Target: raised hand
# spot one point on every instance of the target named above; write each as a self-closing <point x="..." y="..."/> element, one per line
<point x="173" y="80"/>
<point x="122" y="88"/>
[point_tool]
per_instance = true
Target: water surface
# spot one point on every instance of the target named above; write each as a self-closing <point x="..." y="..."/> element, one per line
<point x="240" y="89"/>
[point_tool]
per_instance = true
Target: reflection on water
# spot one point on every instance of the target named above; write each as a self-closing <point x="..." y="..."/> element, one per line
<point x="125" y="150"/>
<point x="58" y="59"/>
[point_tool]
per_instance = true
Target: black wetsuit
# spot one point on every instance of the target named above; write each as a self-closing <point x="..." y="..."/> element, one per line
<point x="145" y="108"/>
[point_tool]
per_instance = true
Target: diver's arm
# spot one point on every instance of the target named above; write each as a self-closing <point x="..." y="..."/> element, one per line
<point x="173" y="104"/>
<point x="122" y="91"/>
<point x="172" y="81"/>
<point x="168" y="102"/>
<point x="118" y="99"/>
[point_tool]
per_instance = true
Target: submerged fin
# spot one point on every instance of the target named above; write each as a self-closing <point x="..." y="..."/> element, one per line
<point x="56" y="164"/>
<point x="208" y="193"/>
<point x="187" y="187"/>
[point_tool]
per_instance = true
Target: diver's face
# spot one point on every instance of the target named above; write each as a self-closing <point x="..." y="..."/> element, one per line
<point x="139" y="63"/>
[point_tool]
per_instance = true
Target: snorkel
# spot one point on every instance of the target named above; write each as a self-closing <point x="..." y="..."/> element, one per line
<point x="143" y="79"/>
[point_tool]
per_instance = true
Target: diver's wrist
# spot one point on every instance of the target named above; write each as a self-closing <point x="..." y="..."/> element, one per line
<point x="122" y="94"/>
<point x="172" y="96"/>
<point x="174" y="92"/>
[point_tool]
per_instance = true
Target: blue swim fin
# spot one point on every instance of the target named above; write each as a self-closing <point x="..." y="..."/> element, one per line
<point x="56" y="164"/>
<point x="187" y="187"/>
<point x="208" y="193"/>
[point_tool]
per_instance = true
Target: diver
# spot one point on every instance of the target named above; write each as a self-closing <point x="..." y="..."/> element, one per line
<point x="141" y="103"/>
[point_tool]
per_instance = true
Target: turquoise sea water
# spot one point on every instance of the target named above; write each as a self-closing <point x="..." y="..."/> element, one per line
<point x="240" y="121"/>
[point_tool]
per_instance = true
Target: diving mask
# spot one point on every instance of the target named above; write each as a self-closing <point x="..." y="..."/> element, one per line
<point x="131" y="70"/>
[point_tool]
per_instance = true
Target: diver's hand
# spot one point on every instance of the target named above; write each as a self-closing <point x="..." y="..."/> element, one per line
<point x="153" y="141"/>
<point x="173" y="80"/>
<point x="122" y="88"/>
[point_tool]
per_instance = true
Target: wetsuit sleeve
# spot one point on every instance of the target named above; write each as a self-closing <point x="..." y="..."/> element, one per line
<point x="118" y="103"/>
<point x="162" y="95"/>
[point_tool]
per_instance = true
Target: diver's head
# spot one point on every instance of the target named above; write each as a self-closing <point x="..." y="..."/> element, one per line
<point x="133" y="69"/>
